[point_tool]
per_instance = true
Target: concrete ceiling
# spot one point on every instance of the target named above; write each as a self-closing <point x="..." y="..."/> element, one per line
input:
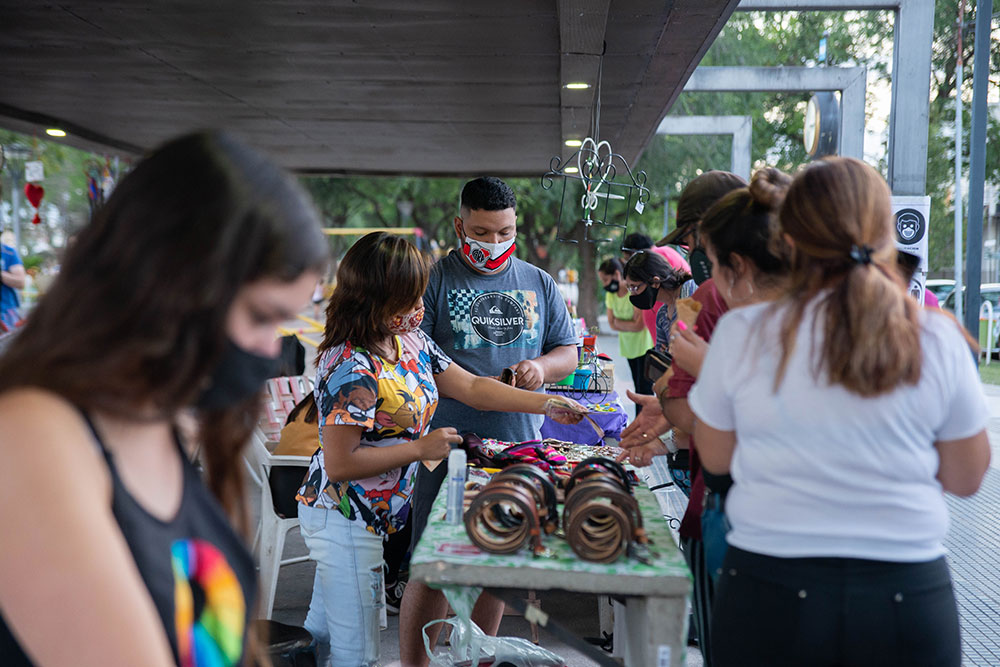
<point x="396" y="86"/>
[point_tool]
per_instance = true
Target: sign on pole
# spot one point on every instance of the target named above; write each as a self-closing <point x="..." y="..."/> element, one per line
<point x="913" y="215"/>
<point x="34" y="171"/>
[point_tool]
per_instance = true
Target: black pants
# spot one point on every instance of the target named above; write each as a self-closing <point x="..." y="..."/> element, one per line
<point x="820" y="612"/>
<point x="425" y="490"/>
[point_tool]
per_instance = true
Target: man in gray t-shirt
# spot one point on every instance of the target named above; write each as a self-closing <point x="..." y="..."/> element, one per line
<point x="488" y="311"/>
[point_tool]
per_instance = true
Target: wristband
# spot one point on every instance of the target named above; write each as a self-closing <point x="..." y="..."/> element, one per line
<point x="668" y="441"/>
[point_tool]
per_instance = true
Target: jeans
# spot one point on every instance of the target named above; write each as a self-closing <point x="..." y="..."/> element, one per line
<point x="348" y="597"/>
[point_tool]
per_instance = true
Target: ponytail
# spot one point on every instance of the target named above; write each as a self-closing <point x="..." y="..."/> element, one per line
<point x="837" y="215"/>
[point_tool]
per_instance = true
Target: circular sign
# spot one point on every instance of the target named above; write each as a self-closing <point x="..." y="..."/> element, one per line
<point x="497" y="318"/>
<point x="910" y="226"/>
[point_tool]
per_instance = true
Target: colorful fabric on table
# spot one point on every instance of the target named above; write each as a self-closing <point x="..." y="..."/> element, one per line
<point x="392" y="403"/>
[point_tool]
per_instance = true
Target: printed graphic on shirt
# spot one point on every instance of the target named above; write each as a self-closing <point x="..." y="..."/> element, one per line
<point x="392" y="403"/>
<point x="209" y="609"/>
<point x="481" y="318"/>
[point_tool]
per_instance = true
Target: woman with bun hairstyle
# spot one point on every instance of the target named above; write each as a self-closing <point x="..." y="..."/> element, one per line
<point x="378" y="380"/>
<point x="737" y="233"/>
<point x="843" y="411"/>
<point x="115" y="552"/>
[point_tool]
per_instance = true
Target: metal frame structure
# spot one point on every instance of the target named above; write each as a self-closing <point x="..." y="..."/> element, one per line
<point x="913" y="35"/>
<point x="851" y="82"/>
<point x="738" y="126"/>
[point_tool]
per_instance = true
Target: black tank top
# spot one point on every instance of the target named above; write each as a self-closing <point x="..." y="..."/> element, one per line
<point x="197" y="569"/>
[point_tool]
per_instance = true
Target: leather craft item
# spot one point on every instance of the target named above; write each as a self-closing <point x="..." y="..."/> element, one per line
<point x="512" y="510"/>
<point x="601" y="518"/>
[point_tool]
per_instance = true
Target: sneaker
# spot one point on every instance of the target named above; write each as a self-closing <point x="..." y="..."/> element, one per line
<point x="393" y="597"/>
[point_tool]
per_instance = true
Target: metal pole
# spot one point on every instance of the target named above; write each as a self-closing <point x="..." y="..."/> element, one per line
<point x="977" y="165"/>
<point x="958" y="166"/>
<point x="15" y="200"/>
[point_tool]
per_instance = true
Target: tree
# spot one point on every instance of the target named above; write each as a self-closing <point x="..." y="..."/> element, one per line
<point x="65" y="208"/>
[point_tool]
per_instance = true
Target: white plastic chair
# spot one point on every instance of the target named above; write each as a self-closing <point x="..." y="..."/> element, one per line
<point x="269" y="540"/>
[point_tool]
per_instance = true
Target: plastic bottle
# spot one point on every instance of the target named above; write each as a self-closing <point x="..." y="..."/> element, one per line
<point x="456" y="486"/>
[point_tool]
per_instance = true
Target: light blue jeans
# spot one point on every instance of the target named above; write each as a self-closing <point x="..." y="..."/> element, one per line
<point x="348" y="596"/>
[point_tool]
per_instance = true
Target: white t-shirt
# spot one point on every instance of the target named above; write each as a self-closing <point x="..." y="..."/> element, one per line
<point x="820" y="471"/>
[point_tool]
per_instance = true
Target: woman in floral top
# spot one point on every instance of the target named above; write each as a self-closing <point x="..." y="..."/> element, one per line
<point x="377" y="382"/>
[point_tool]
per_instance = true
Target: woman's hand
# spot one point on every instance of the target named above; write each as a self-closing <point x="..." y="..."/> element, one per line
<point x="688" y="349"/>
<point x="642" y="455"/>
<point x="436" y="445"/>
<point x="564" y="410"/>
<point x="647" y="425"/>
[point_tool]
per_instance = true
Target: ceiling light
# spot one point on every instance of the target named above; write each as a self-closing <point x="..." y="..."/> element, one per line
<point x="577" y="86"/>
<point x="574" y="143"/>
<point x="55" y="132"/>
<point x="571" y="170"/>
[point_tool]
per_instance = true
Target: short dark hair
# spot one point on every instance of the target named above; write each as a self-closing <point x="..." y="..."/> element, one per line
<point x="488" y="193"/>
<point x="636" y="241"/>
<point x="609" y="266"/>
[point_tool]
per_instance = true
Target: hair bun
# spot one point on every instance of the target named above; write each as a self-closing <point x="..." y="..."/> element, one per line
<point x="768" y="187"/>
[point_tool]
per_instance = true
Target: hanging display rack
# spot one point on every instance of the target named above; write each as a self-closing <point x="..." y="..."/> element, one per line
<point x="605" y="176"/>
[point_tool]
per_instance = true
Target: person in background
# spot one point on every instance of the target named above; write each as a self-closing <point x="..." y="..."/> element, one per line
<point x="838" y="523"/>
<point x="12" y="279"/>
<point x="626" y="319"/>
<point x="300" y="437"/>
<point x="378" y="378"/>
<point x="488" y="311"/>
<point x="650" y="279"/>
<point x="133" y="560"/>
<point x="638" y="242"/>
<point x="643" y="437"/>
<point x="738" y="237"/>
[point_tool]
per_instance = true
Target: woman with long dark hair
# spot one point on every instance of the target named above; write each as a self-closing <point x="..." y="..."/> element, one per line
<point x="168" y="303"/>
<point x="378" y="379"/>
<point x="843" y="411"/>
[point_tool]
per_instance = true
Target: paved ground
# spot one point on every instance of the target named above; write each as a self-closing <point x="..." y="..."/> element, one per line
<point x="973" y="544"/>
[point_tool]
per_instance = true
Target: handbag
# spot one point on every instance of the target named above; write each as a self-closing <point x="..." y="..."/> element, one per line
<point x="655" y="363"/>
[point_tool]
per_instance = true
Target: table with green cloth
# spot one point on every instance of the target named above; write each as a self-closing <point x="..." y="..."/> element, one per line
<point x="655" y="593"/>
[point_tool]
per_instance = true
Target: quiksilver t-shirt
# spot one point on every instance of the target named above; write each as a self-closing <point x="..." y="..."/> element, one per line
<point x="487" y="322"/>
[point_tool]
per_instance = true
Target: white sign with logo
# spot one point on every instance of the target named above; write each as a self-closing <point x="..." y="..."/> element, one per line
<point x="34" y="171"/>
<point x="912" y="215"/>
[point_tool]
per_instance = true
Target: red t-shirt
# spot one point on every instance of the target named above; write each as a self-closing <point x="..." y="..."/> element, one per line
<point x="712" y="308"/>
<point x="676" y="260"/>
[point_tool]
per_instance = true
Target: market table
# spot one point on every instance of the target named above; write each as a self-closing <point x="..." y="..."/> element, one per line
<point x="655" y="593"/>
<point x="607" y="413"/>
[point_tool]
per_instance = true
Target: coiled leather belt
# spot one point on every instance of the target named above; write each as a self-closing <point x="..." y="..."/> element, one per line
<point x="601" y="518"/>
<point x="513" y="509"/>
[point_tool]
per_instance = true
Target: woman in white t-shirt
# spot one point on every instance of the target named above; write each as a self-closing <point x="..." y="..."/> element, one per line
<point x="842" y="411"/>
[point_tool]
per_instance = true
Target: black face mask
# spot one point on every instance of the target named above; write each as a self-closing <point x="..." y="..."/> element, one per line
<point x="701" y="268"/>
<point x="612" y="287"/>
<point x="238" y="376"/>
<point x="646" y="299"/>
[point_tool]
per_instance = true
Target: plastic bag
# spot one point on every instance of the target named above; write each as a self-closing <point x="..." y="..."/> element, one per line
<point x="470" y="645"/>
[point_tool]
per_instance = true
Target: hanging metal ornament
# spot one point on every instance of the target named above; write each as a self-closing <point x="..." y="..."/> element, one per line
<point x="605" y="177"/>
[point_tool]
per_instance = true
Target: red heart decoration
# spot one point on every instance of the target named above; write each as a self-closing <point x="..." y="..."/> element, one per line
<point x="34" y="193"/>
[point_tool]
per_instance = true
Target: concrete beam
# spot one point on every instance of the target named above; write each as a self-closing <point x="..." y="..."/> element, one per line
<point x="582" y="26"/>
<point x="850" y="81"/>
<point x="739" y="126"/>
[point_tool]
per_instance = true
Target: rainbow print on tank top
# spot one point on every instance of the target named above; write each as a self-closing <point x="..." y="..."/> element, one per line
<point x="209" y="609"/>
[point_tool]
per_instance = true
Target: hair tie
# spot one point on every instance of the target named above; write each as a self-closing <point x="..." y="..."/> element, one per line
<point x="861" y="254"/>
